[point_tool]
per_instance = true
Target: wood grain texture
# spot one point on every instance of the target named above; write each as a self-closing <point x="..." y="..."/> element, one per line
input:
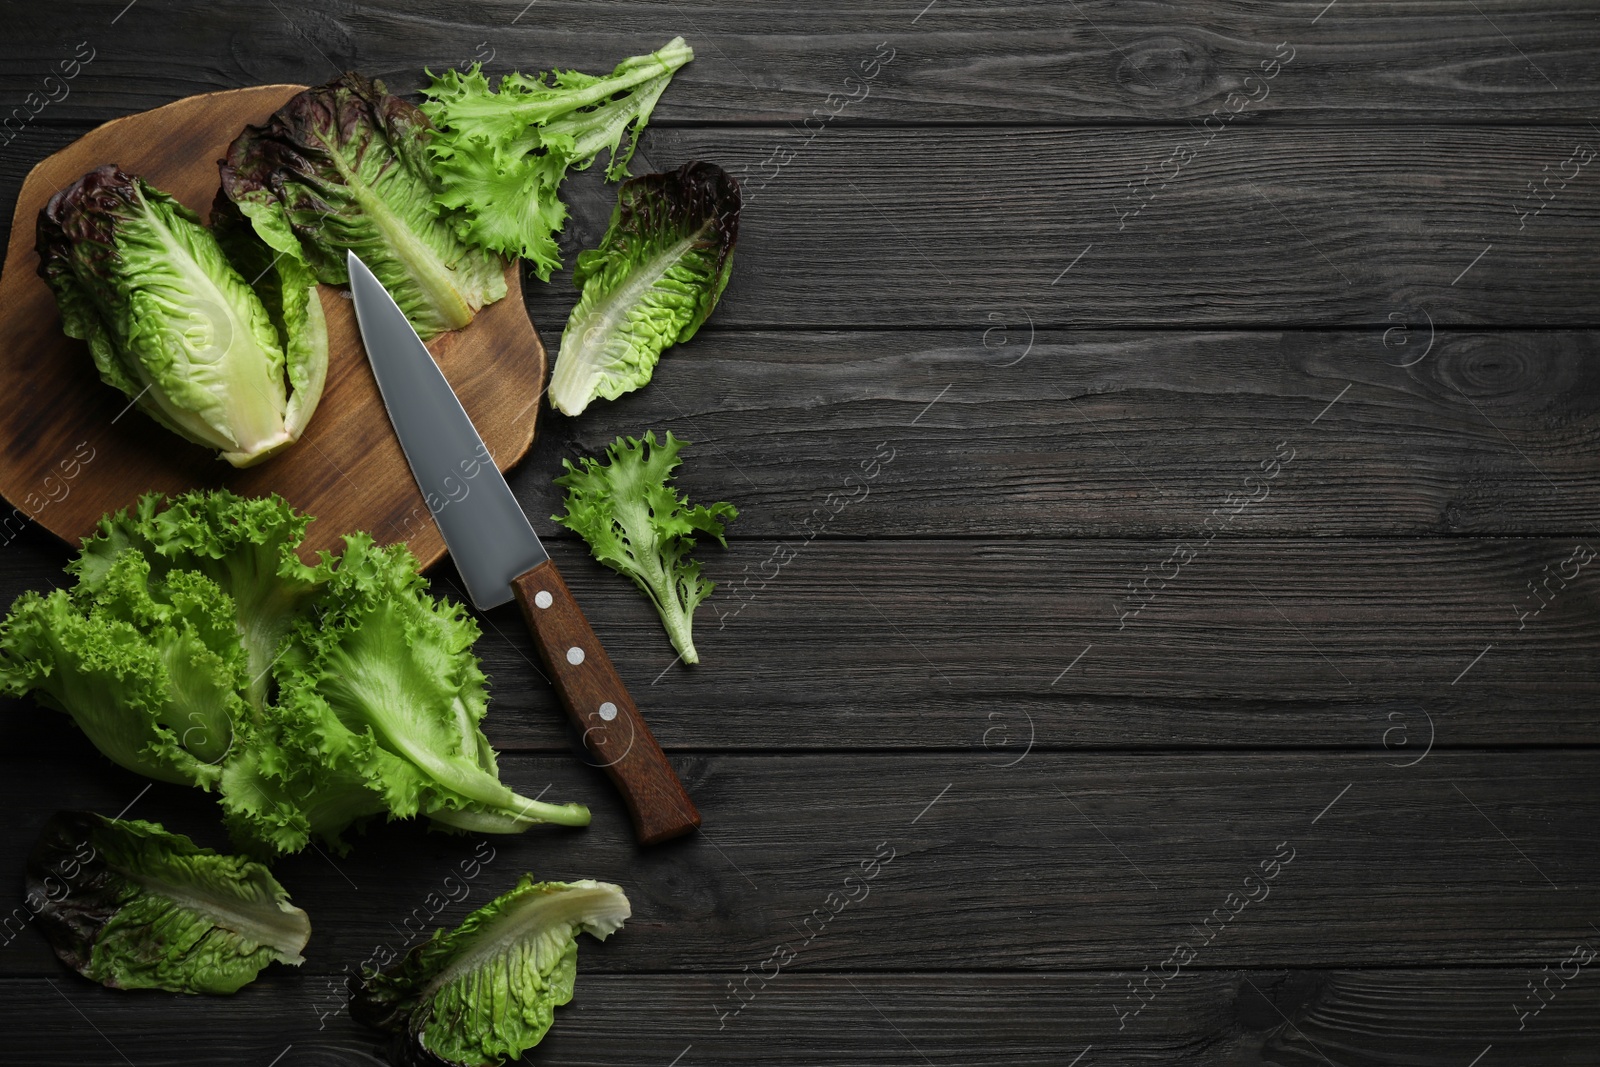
<point x="1002" y="430"/>
<point x="1036" y="61"/>
<point x="1369" y="644"/>
<point x="1061" y="861"/>
<point x="967" y="645"/>
<point x="1259" y="1018"/>
<point x="600" y="708"/>
<point x="70" y="450"/>
<point x="1351" y="668"/>
<point x="1265" y="228"/>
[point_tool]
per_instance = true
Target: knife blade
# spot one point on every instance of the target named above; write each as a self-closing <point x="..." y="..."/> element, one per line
<point x="500" y="558"/>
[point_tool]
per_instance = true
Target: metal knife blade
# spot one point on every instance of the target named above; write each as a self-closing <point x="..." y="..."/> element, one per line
<point x="501" y="559"/>
<point x="486" y="530"/>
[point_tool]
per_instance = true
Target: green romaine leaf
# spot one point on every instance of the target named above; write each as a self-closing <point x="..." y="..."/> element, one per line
<point x="501" y="154"/>
<point x="132" y="906"/>
<point x="344" y="167"/>
<point x="655" y="278"/>
<point x="174" y="325"/>
<point x="288" y="289"/>
<point x="639" y="526"/>
<point x="487" y="991"/>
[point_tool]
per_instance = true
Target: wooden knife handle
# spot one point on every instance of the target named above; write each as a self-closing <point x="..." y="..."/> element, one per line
<point x="598" y="704"/>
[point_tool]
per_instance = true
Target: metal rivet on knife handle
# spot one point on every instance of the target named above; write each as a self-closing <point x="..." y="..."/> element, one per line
<point x="597" y="702"/>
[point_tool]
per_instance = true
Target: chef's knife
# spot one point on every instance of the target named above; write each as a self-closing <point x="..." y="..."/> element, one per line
<point x="500" y="557"/>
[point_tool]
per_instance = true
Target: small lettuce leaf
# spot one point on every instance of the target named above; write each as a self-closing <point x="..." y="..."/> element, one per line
<point x="343" y="167"/>
<point x="487" y="991"/>
<point x="132" y="906"/>
<point x="510" y="206"/>
<point x="288" y="289"/>
<point x="655" y="278"/>
<point x="641" y="527"/>
<point x="501" y="154"/>
<point x="172" y="322"/>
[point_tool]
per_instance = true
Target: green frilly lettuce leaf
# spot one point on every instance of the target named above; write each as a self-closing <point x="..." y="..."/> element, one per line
<point x="501" y="154"/>
<point x="198" y="648"/>
<point x="380" y="701"/>
<point x="151" y="671"/>
<point x="245" y="545"/>
<point x="639" y="525"/>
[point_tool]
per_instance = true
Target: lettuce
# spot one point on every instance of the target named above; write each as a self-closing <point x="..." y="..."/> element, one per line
<point x="198" y="648"/>
<point x="487" y="991"/>
<point x="150" y="671"/>
<point x="180" y="323"/>
<point x="639" y="526"/>
<point x="501" y="155"/>
<point x="246" y="546"/>
<point x="131" y="906"/>
<point x="380" y="701"/>
<point x="343" y="167"/>
<point x="655" y="278"/>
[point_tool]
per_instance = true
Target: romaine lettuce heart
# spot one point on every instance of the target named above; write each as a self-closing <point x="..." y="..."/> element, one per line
<point x="180" y="324"/>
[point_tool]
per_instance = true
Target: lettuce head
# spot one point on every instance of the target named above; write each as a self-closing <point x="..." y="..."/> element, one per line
<point x="197" y="647"/>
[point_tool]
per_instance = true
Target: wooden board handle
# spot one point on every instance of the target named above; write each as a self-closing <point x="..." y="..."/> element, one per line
<point x="598" y="704"/>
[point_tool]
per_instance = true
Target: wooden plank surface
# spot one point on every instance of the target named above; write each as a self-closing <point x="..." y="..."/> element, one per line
<point x="1030" y="62"/>
<point x="1367" y="1018"/>
<point x="1060" y="861"/>
<point x="965" y="644"/>
<point x="1006" y="338"/>
<point x="1262" y="226"/>
<point x="1368" y="644"/>
<point x="1266" y="227"/>
<point x="1000" y="429"/>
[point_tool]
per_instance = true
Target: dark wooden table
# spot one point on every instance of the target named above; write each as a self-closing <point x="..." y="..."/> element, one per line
<point x="1206" y="650"/>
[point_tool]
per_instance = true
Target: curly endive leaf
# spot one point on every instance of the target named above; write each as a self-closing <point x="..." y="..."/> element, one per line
<point x="501" y="154"/>
<point x="640" y="526"/>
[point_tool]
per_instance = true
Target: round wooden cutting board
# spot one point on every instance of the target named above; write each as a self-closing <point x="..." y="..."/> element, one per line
<point x="72" y="448"/>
